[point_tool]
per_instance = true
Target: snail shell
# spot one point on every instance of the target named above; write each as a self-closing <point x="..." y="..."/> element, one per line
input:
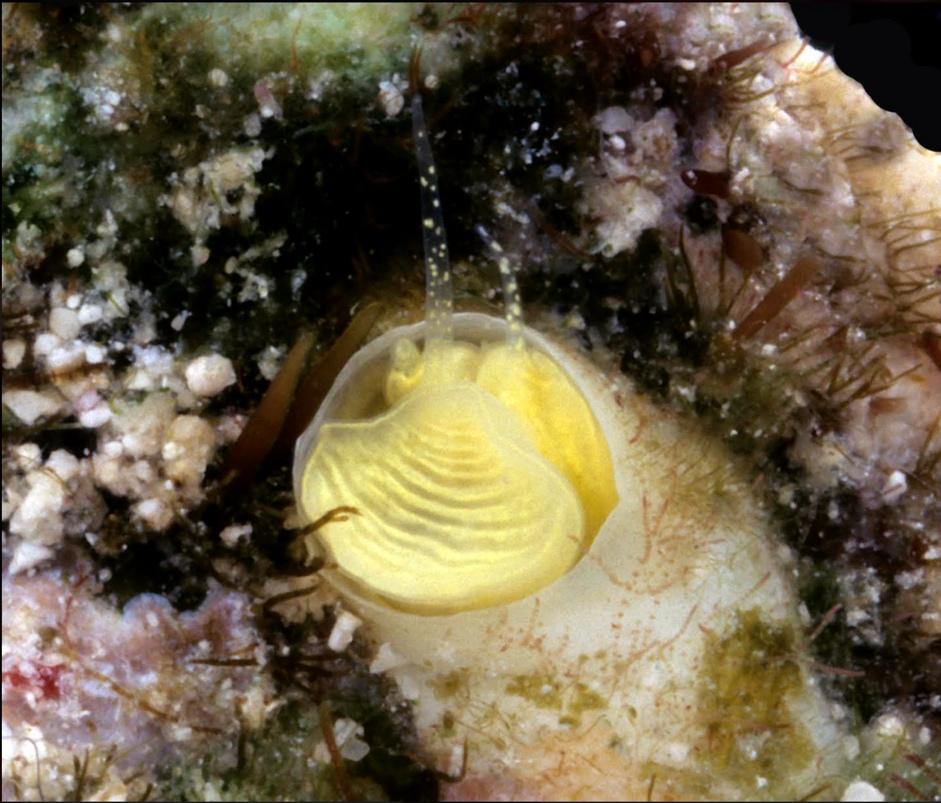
<point x="586" y="660"/>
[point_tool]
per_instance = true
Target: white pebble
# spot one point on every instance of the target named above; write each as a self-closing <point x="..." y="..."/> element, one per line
<point x="252" y="125"/>
<point x="39" y="516"/>
<point x="95" y="417"/>
<point x="172" y="450"/>
<point x="64" y="464"/>
<point x="95" y="354"/>
<point x="143" y="471"/>
<point x="908" y="580"/>
<point x="45" y="343"/>
<point x="851" y="747"/>
<point x="66" y="358"/>
<point x="75" y="256"/>
<point x="386" y="659"/>
<point x="896" y="485"/>
<point x="64" y="322"/>
<point x="209" y="375"/>
<point x="28" y="455"/>
<point x="180" y="733"/>
<point x="390" y="98"/>
<point x="154" y="513"/>
<point x="13" y="352"/>
<point x="27" y="555"/>
<point x="408" y="685"/>
<point x="86" y="401"/>
<point x="268" y="105"/>
<point x="29" y="405"/>
<point x="346" y="733"/>
<point x="229" y="427"/>
<point x="862" y="792"/>
<point x="232" y="534"/>
<point x="613" y="119"/>
<point x="343" y="629"/>
<point x="456" y="760"/>
<point x="856" y="616"/>
<point x="890" y="726"/>
<point x="218" y="77"/>
<point x="200" y="255"/>
<point x="90" y="313"/>
<point x="179" y="320"/>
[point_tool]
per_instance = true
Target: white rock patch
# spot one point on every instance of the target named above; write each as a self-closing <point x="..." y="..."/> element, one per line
<point x="187" y="450"/>
<point x="862" y="792"/>
<point x="347" y="733"/>
<point x="13" y="352"/>
<point x="342" y="634"/>
<point x="30" y="405"/>
<point x="64" y="323"/>
<point x="28" y="555"/>
<point x="231" y="535"/>
<point x="209" y="375"/>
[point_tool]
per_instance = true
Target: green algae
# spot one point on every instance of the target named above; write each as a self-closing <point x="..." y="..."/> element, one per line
<point x="898" y="760"/>
<point x="569" y="699"/>
<point x="750" y="743"/>
<point x="748" y="727"/>
<point x="450" y="684"/>
<point x="365" y="38"/>
<point x="276" y="765"/>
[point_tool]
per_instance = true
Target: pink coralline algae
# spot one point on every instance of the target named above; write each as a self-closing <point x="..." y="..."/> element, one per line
<point x="79" y="674"/>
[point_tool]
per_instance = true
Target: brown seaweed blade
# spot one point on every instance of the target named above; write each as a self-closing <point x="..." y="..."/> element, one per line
<point x="931" y="343"/>
<point x="778" y="297"/>
<point x="258" y="438"/>
<point x="292" y="399"/>
<point x="339" y="768"/>
<point x="318" y="380"/>
<point x="735" y="57"/>
<point x="742" y="248"/>
<point x="707" y="182"/>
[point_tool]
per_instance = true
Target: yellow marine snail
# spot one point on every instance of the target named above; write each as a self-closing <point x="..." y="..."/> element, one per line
<point x="575" y="588"/>
<point x="482" y="474"/>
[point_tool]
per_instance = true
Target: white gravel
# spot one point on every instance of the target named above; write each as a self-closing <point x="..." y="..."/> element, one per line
<point x="206" y="376"/>
<point x="31" y="405"/>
